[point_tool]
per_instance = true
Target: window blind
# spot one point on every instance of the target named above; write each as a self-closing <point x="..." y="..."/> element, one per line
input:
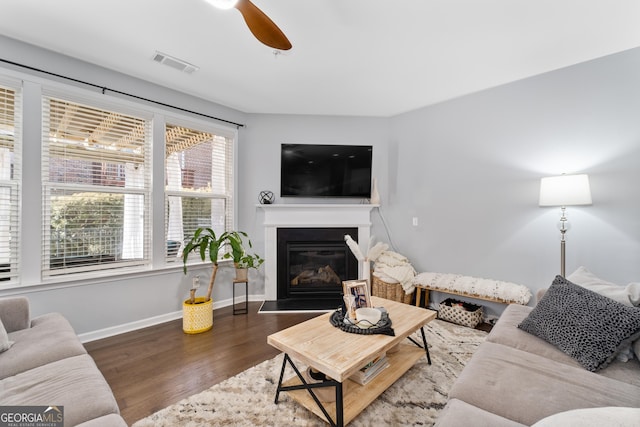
<point x="10" y="178"/>
<point x="96" y="188"/>
<point x="199" y="184"/>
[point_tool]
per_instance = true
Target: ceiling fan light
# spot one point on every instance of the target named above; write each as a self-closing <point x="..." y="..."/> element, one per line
<point x="222" y="4"/>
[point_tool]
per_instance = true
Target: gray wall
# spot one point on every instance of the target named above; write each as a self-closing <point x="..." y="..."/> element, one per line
<point x="468" y="169"/>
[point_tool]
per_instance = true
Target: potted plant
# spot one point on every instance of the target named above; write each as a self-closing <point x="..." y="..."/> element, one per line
<point x="242" y="260"/>
<point x="246" y="262"/>
<point x="197" y="313"/>
<point x="207" y="244"/>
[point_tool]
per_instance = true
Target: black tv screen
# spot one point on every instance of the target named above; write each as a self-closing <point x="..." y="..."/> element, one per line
<point x="309" y="170"/>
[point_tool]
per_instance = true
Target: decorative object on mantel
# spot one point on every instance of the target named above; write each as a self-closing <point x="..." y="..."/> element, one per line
<point x="375" y="196"/>
<point x="563" y="191"/>
<point x="266" y="197"/>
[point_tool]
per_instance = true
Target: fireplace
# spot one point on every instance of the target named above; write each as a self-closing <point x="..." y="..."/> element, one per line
<point x="313" y="262"/>
<point x="278" y="217"/>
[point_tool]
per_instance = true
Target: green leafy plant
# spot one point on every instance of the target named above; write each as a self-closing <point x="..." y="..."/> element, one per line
<point x="207" y="244"/>
<point x="250" y="261"/>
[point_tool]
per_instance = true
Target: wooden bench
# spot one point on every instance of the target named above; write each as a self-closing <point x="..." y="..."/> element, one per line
<point x="471" y="287"/>
<point x="420" y="288"/>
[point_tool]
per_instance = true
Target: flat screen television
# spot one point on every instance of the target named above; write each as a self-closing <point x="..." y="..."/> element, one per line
<point x="312" y="170"/>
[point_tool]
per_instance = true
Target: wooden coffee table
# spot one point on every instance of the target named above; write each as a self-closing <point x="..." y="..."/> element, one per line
<point x="338" y="354"/>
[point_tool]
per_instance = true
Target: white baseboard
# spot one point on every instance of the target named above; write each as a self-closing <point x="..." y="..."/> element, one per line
<point x="151" y="321"/>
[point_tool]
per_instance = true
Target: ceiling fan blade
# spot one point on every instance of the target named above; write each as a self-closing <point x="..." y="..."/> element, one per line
<point x="262" y="27"/>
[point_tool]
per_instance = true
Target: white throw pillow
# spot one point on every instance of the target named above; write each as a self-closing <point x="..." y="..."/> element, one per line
<point x="5" y="344"/>
<point x="593" y="417"/>
<point x="623" y="294"/>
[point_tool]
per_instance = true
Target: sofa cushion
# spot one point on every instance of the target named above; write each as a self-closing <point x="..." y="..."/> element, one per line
<point x="49" y="338"/>
<point x="587" y="326"/>
<point x="75" y="383"/>
<point x="593" y="417"/>
<point x="111" y="420"/>
<point x="525" y="387"/>
<point x="506" y="332"/>
<point x="458" y="413"/>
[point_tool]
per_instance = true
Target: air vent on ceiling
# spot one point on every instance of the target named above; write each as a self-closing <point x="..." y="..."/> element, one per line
<point x="174" y="62"/>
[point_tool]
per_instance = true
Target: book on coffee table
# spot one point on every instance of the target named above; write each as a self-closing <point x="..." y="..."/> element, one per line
<point x="371" y="370"/>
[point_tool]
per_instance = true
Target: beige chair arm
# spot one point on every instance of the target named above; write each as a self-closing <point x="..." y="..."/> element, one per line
<point x="14" y="313"/>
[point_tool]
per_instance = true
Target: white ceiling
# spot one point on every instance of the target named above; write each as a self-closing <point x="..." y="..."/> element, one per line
<point x="349" y="57"/>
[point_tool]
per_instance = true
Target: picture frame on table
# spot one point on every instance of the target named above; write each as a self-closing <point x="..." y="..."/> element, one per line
<point x="359" y="289"/>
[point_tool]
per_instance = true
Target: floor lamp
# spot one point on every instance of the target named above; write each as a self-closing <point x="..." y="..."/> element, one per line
<point x="563" y="191"/>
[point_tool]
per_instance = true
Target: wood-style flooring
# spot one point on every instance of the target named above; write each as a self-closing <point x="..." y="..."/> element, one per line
<point x="152" y="368"/>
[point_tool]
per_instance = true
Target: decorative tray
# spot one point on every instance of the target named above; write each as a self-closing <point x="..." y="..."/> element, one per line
<point x="382" y="327"/>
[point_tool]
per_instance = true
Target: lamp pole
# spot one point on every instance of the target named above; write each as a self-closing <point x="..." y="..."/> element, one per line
<point x="563" y="230"/>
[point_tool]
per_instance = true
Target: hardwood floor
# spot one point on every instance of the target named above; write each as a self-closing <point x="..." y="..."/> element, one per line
<point x="155" y="367"/>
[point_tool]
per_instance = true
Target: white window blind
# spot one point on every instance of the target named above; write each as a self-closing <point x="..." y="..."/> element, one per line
<point x="10" y="171"/>
<point x="96" y="188"/>
<point x="199" y="184"/>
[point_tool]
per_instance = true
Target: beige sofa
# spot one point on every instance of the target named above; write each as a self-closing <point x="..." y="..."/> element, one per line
<point x="45" y="364"/>
<point x="516" y="378"/>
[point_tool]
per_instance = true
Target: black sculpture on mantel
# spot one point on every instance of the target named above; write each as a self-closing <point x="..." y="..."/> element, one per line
<point x="266" y="197"/>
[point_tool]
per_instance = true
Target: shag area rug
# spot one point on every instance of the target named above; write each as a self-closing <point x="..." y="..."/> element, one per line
<point x="248" y="398"/>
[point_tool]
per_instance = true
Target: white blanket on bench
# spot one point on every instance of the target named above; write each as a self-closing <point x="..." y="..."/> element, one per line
<point x="456" y="283"/>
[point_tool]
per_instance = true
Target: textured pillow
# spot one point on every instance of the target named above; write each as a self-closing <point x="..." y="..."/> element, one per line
<point x="627" y="295"/>
<point x="585" y="325"/>
<point x="5" y="344"/>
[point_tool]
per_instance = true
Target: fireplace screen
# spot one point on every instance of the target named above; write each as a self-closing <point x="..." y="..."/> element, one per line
<point x="316" y="266"/>
<point x="314" y="262"/>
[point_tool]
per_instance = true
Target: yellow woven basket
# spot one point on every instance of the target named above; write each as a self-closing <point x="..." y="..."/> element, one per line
<point x="198" y="317"/>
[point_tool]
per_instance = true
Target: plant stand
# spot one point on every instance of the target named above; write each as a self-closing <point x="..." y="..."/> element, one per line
<point x="198" y="317"/>
<point x="245" y="309"/>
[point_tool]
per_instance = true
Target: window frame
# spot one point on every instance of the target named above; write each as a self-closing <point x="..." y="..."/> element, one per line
<point x="95" y="269"/>
<point x="13" y="184"/>
<point x="230" y="198"/>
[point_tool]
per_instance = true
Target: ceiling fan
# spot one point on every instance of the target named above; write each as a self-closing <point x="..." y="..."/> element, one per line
<point x="262" y="27"/>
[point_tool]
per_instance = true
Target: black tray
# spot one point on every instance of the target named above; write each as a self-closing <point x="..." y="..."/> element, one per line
<point x="382" y="327"/>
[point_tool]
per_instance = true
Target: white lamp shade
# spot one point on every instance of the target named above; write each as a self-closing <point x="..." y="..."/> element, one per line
<point x="565" y="190"/>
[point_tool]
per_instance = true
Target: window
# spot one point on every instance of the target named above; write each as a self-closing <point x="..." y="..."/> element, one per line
<point x="199" y="184"/>
<point x="10" y="167"/>
<point x="96" y="188"/>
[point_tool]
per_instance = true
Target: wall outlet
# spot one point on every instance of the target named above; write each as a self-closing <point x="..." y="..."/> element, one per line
<point x="195" y="284"/>
<point x="414" y="221"/>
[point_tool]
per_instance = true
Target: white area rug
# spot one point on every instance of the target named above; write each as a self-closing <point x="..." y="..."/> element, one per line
<point x="248" y="398"/>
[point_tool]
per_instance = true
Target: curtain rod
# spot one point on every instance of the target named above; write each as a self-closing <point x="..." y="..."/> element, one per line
<point x="104" y="89"/>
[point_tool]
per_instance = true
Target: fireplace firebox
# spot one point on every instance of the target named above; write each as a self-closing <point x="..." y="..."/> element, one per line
<point x="313" y="262"/>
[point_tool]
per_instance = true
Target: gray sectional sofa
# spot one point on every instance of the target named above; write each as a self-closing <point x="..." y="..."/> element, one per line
<point x="45" y="364"/>
<point x="516" y="378"/>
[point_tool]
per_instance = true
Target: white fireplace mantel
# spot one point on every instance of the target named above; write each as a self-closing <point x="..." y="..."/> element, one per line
<point x="309" y="215"/>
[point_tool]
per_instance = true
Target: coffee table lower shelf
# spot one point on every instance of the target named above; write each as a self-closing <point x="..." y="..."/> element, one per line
<point x="357" y="397"/>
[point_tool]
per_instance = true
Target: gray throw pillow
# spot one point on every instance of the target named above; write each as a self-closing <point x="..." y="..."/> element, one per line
<point x="587" y="326"/>
<point x="5" y="344"/>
